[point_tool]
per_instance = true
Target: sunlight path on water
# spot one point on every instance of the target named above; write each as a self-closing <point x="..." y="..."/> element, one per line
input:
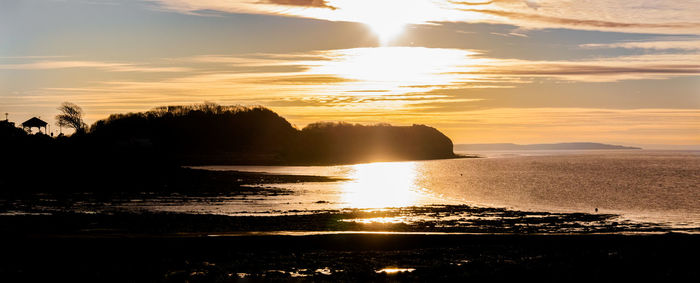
<point x="364" y="186"/>
<point x="373" y="185"/>
<point x="378" y="185"/>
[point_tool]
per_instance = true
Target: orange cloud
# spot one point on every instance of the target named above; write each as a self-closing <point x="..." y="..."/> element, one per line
<point x="115" y="67"/>
<point x="307" y="3"/>
<point x="628" y="16"/>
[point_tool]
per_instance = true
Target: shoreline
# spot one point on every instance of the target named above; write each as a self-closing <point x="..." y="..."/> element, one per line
<point x="302" y="234"/>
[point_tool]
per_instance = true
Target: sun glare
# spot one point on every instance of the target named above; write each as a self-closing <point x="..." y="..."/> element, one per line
<point x="386" y="30"/>
<point x="380" y="185"/>
<point x="386" y="18"/>
<point x="396" y="70"/>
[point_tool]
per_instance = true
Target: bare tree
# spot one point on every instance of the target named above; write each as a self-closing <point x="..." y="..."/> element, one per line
<point x="71" y="116"/>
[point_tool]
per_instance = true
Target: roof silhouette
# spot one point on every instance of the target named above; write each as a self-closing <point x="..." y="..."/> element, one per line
<point x="34" y="122"/>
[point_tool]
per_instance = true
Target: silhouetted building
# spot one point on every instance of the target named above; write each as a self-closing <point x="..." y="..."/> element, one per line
<point x="34" y="122"/>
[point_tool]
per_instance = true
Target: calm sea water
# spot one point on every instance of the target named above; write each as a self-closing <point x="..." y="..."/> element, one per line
<point x="655" y="186"/>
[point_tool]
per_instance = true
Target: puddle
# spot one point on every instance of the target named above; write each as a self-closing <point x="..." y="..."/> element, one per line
<point x="394" y="270"/>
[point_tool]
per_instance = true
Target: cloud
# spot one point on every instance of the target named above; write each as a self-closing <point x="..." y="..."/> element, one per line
<point x="369" y="72"/>
<point x="115" y="67"/>
<point x="306" y="3"/>
<point x="363" y="79"/>
<point x="357" y="75"/>
<point x="643" y="16"/>
<point x="610" y="15"/>
<point x="655" y="45"/>
<point x="530" y="3"/>
<point x="388" y="84"/>
<point x="31" y="57"/>
<point x="664" y="126"/>
<point x="588" y="23"/>
<point x="593" y="71"/>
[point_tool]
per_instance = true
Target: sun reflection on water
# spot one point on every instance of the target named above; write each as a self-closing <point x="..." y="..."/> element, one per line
<point x="393" y="270"/>
<point x="379" y="185"/>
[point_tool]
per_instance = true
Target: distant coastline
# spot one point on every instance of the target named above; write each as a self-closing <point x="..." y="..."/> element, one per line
<point x="549" y="146"/>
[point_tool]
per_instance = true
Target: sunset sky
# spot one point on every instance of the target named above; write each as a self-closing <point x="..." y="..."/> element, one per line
<point x="625" y="72"/>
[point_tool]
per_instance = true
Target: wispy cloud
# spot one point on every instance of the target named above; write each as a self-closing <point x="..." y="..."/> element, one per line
<point x="115" y="67"/>
<point x="658" y="66"/>
<point x="31" y="57"/>
<point x="365" y="78"/>
<point x="664" y="126"/>
<point x="629" y="16"/>
<point x="357" y="74"/>
<point x="545" y="20"/>
<point x="390" y="84"/>
<point x="655" y="45"/>
<point x="305" y="3"/>
<point x="678" y="16"/>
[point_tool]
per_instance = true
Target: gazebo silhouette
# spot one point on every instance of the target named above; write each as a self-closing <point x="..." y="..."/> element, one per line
<point x="34" y="122"/>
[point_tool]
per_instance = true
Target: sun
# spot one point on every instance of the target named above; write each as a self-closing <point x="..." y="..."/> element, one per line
<point x="386" y="18"/>
<point x="386" y="30"/>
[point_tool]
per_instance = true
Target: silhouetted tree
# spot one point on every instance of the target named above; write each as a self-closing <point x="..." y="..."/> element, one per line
<point x="71" y="116"/>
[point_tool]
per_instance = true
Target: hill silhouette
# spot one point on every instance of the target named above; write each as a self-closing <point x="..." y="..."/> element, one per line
<point x="343" y="142"/>
<point x="214" y="134"/>
<point x="199" y="134"/>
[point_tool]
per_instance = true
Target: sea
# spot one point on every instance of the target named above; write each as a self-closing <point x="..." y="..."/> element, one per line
<point x="654" y="186"/>
<point x="661" y="187"/>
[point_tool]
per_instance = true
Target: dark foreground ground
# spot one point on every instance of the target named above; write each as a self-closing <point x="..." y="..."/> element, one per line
<point x="350" y="257"/>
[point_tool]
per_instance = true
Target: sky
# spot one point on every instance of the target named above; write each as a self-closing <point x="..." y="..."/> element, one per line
<point x="535" y="71"/>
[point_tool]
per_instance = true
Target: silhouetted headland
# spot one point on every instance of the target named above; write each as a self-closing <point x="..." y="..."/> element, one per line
<point x="213" y="134"/>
